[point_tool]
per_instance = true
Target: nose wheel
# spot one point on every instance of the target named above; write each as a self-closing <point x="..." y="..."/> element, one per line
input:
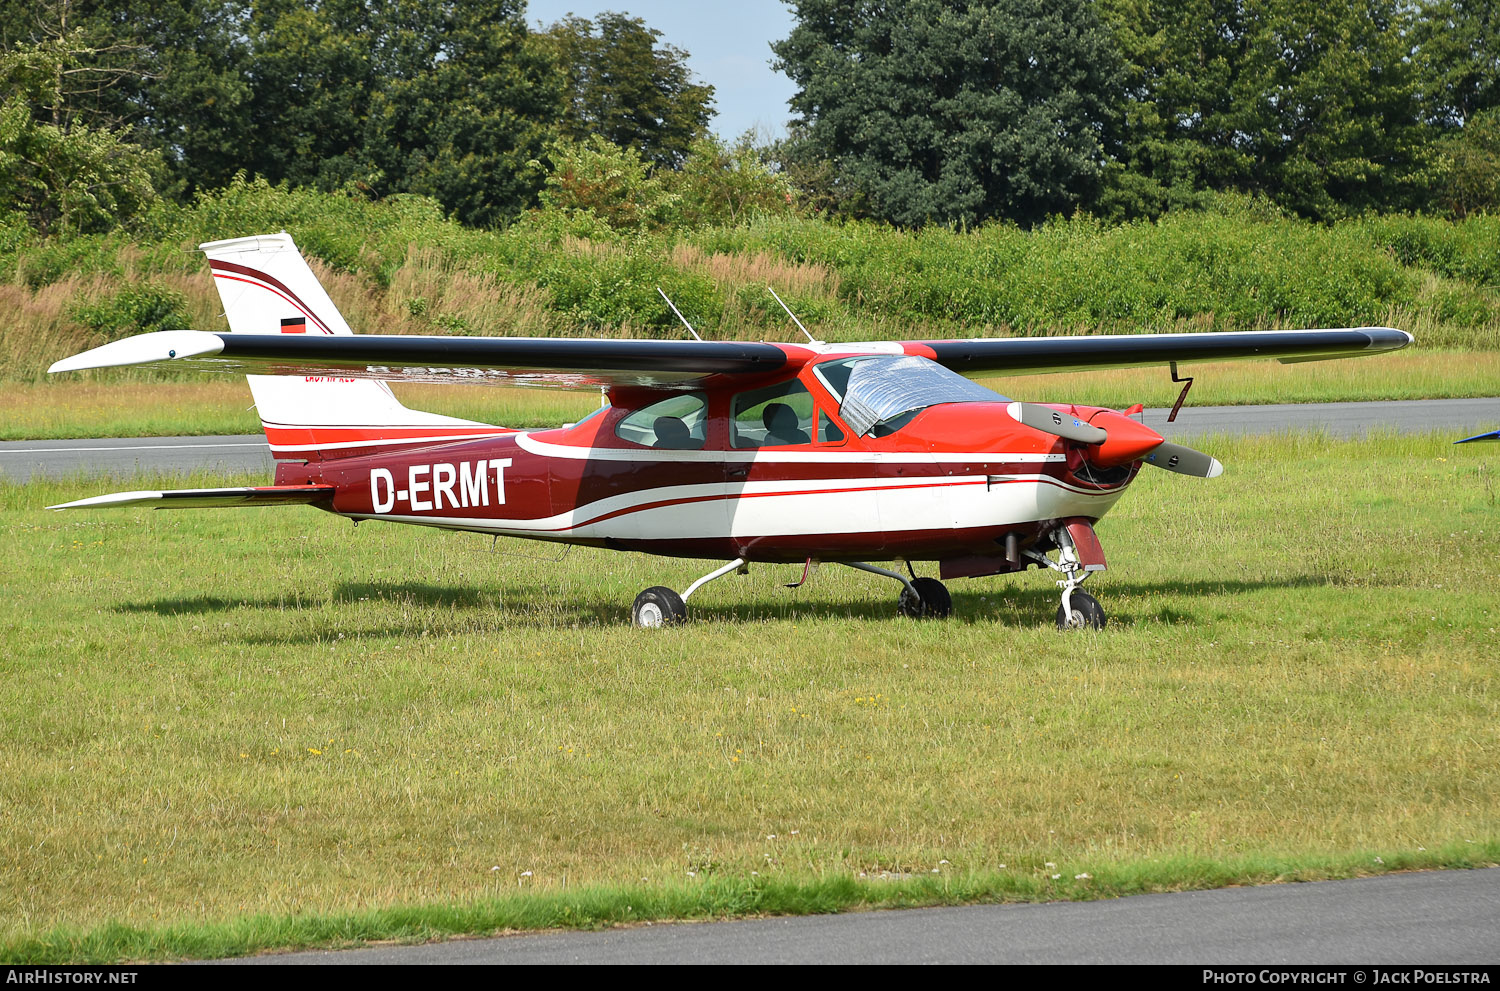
<point x="1080" y="611"/>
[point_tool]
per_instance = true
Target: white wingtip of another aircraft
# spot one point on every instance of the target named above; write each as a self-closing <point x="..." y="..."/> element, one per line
<point x="143" y="349"/>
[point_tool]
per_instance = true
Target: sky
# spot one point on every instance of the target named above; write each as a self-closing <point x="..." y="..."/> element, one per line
<point x="728" y="45"/>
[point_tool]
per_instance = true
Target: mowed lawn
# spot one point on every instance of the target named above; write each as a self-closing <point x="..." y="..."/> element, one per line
<point x="211" y="715"/>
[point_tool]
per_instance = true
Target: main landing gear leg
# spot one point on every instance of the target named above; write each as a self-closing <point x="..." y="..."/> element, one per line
<point x="1079" y="610"/>
<point x="920" y="597"/>
<point x="660" y="606"/>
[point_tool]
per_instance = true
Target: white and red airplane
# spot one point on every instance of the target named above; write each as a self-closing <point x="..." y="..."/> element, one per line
<point x="736" y="452"/>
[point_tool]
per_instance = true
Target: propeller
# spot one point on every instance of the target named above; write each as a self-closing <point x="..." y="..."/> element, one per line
<point x="1184" y="461"/>
<point x="1124" y="440"/>
<point x="1051" y="421"/>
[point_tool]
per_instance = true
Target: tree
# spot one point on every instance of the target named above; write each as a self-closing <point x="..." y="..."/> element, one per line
<point x="1458" y="51"/>
<point x="440" y="97"/>
<point x="1313" y="104"/>
<point x="443" y="97"/>
<point x="954" y="111"/>
<point x="1472" y="160"/>
<point x="469" y="101"/>
<point x="61" y="174"/>
<point x="169" y="73"/>
<point x="313" y="73"/>
<point x="614" y="185"/>
<point x="720" y="184"/>
<point x="621" y="86"/>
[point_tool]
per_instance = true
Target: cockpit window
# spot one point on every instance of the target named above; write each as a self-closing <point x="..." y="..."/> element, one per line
<point x="679" y="423"/>
<point x="880" y="394"/>
<point x="835" y="374"/>
<point x="775" y="416"/>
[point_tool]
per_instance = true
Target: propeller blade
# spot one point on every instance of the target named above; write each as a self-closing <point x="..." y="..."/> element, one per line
<point x="1051" y="421"/>
<point x="1185" y="461"/>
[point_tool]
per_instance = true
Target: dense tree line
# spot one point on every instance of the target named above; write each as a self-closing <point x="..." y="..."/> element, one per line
<point x="908" y="111"/>
<point x="964" y="110"/>
<point x="449" y="98"/>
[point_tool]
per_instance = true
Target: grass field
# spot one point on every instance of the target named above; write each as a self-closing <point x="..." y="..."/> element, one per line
<point x="77" y="406"/>
<point x="227" y="731"/>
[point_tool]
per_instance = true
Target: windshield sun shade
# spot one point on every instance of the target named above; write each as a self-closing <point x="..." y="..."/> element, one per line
<point x="885" y="387"/>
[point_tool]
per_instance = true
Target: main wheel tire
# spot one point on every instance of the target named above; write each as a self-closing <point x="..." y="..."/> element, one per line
<point x="658" y="606"/>
<point x="1087" y="613"/>
<point x="932" y="600"/>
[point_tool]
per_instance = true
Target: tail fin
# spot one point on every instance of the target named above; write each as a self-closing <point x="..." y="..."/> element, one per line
<point x="267" y="288"/>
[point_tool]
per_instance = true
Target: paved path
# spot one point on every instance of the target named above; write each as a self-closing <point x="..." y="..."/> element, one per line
<point x="248" y="453"/>
<point x="125" y="456"/>
<point x="1447" y="917"/>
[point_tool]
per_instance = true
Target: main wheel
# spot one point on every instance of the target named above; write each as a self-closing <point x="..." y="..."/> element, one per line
<point x="931" y="601"/>
<point x="658" y="606"/>
<point x="1087" y="613"/>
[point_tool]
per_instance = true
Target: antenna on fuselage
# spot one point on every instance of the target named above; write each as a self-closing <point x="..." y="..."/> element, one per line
<point x="789" y="313"/>
<point x="679" y="315"/>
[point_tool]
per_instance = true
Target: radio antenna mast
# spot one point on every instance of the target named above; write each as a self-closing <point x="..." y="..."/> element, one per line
<point x="789" y="313"/>
<point x="689" y="326"/>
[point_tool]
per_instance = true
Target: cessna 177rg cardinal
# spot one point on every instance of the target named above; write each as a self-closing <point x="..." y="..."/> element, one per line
<point x="737" y="452"/>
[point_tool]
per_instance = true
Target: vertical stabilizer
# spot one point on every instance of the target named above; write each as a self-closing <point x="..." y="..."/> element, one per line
<point x="267" y="288"/>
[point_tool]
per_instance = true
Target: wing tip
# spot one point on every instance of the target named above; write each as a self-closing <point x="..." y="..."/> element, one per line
<point x="143" y="349"/>
<point x="112" y="499"/>
<point x="1492" y="435"/>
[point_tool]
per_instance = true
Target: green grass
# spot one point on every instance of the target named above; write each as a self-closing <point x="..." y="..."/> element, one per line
<point x="232" y="731"/>
<point x="81" y="407"/>
<point x="716" y="897"/>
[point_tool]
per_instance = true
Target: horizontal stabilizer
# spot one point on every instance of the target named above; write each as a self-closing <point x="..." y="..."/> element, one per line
<point x="266" y="495"/>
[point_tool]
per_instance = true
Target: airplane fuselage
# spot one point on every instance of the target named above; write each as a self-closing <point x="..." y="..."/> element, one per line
<point x="950" y="485"/>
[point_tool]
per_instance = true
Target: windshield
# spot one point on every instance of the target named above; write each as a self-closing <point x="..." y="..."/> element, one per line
<point x="880" y="389"/>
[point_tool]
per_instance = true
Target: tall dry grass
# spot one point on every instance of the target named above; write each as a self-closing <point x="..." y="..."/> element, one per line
<point x="758" y="269"/>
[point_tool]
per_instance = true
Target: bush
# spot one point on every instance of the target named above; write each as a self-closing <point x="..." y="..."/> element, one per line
<point x="135" y="309"/>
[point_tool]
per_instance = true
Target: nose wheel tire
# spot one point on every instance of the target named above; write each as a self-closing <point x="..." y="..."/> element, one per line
<point x="658" y="606"/>
<point x="1087" y="613"/>
<point x="932" y="600"/>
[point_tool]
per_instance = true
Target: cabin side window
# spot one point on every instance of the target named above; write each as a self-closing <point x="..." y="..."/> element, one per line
<point x="678" y="423"/>
<point x="776" y="416"/>
<point x="828" y="431"/>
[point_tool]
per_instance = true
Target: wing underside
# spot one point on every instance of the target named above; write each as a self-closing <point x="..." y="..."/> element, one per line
<point x="1020" y="355"/>
<point x="577" y="363"/>
<point x="570" y="363"/>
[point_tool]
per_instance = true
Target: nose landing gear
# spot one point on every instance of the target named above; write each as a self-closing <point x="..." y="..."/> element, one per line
<point x="1078" y="556"/>
<point x="1081" y="611"/>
